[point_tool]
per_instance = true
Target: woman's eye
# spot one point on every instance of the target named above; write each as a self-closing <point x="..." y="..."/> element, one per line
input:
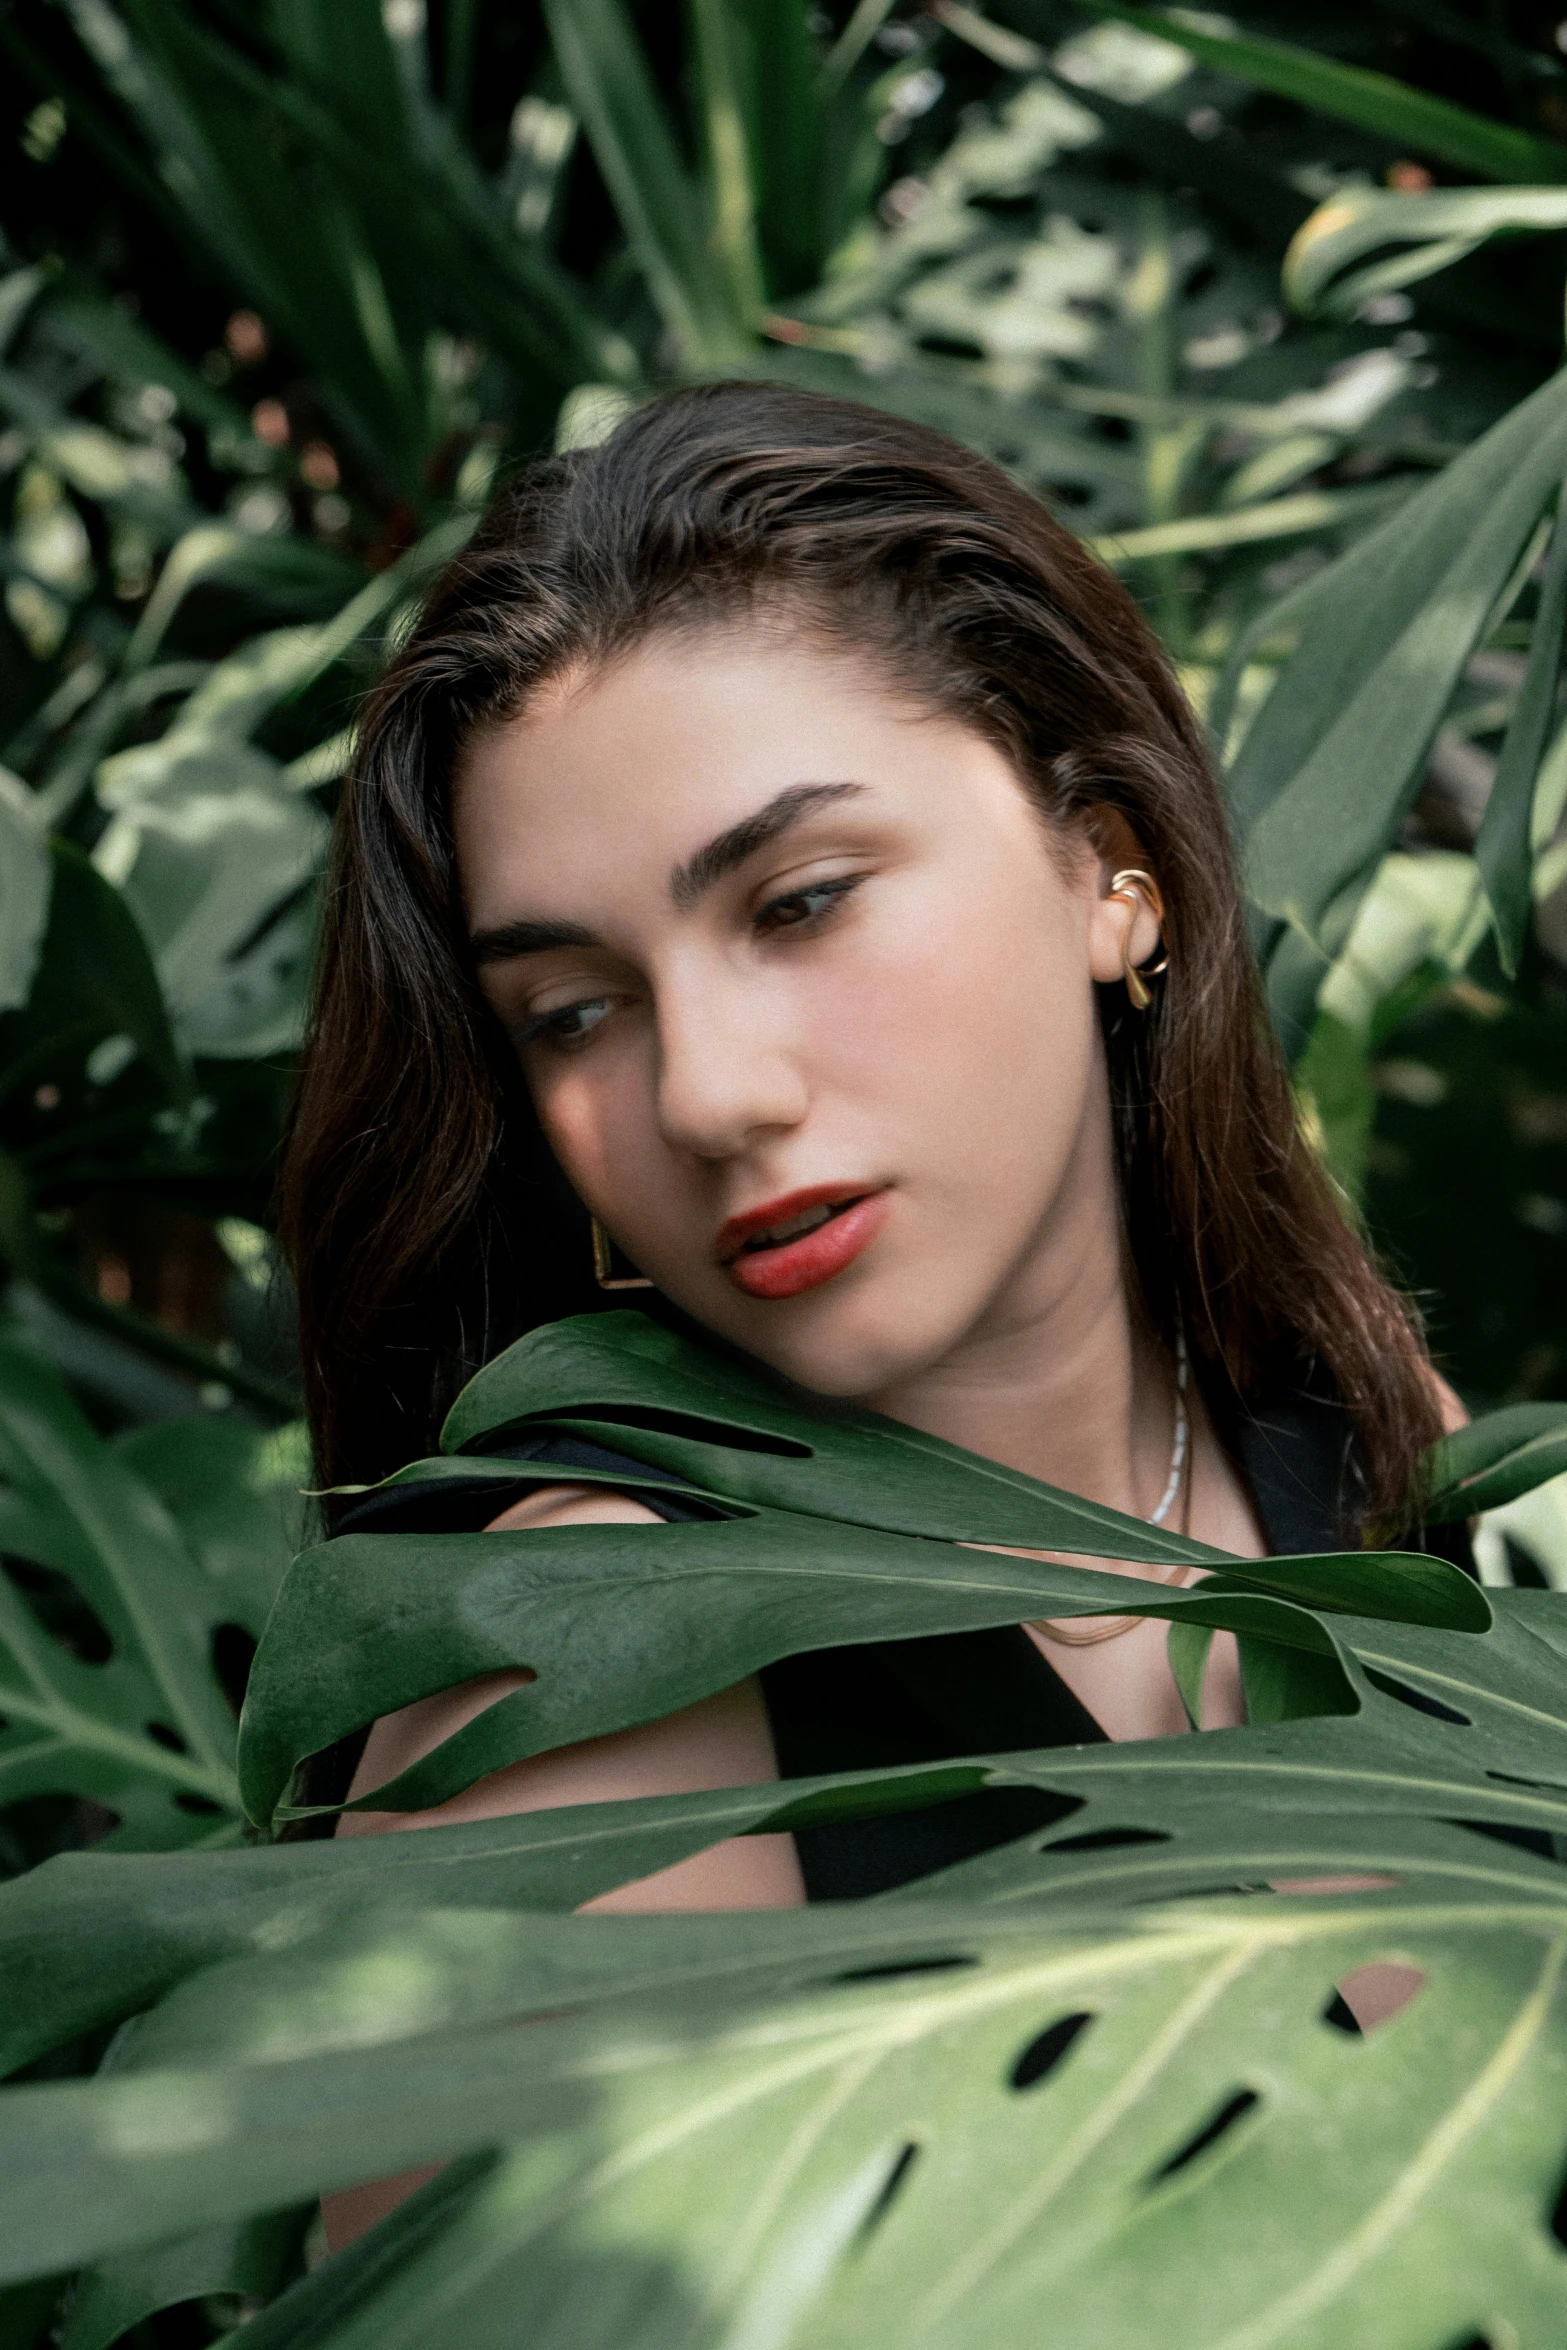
<point x="568" y="1024"/>
<point x="801" y="907"/>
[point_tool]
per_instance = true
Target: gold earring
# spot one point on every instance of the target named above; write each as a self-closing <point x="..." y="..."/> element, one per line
<point x="603" y="1265"/>
<point x="1133" y="883"/>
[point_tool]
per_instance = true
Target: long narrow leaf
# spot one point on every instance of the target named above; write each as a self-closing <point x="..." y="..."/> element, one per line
<point x="607" y="77"/>
<point x="1412" y="237"/>
<point x="1334" y="756"/>
<point x="1372" y="101"/>
<point x="1502" y="848"/>
<point x="731" y="163"/>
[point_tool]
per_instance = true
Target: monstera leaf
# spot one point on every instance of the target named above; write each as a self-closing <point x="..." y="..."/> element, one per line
<point x="115" y="1609"/>
<point x="836" y="1527"/>
<point x="763" y="2128"/>
<point x="716" y="2126"/>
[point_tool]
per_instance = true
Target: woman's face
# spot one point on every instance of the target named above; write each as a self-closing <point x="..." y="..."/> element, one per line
<point x="802" y="990"/>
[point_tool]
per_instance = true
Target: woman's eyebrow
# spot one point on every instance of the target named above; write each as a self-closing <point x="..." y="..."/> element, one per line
<point x="729" y="850"/>
<point x="528" y="938"/>
<point x="687" y="883"/>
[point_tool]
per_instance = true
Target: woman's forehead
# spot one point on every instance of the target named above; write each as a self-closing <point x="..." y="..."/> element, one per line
<point x="685" y="731"/>
<point x="672" y="768"/>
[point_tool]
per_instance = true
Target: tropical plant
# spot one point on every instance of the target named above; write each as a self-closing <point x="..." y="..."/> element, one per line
<point x="1077" y="270"/>
<point x="1059" y="236"/>
<point x="764" y="2128"/>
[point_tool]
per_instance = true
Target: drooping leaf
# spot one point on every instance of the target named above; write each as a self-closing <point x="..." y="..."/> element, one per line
<point x="1331" y="761"/>
<point x="1503" y="848"/>
<point x="835" y="1526"/>
<point x="1496" y="1458"/>
<point x="1364" y="242"/>
<point x="1393" y="110"/>
<point x="107" y="1689"/>
<point x="1471" y="1729"/>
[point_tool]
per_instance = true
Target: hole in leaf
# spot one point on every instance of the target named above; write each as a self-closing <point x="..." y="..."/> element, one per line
<point x="1106" y="1839"/>
<point x="1218" y="2126"/>
<point x="1416" y="1699"/>
<point x="1524" y="1568"/>
<point x="161" y="1733"/>
<point x="1046" y="2051"/>
<point x="59" y="1609"/>
<point x="903" y="1966"/>
<point x="1536" y="1840"/>
<point x="1558" y="2219"/>
<point x="200" y="1807"/>
<point x="1376" y="1993"/>
<point x="891" y="2188"/>
<point x="233" y="1654"/>
<point x="37" y="1826"/>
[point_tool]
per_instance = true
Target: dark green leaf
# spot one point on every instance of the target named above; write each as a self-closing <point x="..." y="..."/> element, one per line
<point x="1502" y="849"/>
<point x="1495" y="1459"/>
<point x="95" y="980"/>
<point x="106" y="1683"/>
<point x="607" y="77"/>
<point x="1392" y="110"/>
<point x="699" y="2149"/>
<point x="1329" y="765"/>
<point x="250" y="2259"/>
<point x="1397" y="240"/>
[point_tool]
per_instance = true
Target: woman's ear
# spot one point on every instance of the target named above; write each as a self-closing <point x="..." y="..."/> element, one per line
<point x="1123" y="928"/>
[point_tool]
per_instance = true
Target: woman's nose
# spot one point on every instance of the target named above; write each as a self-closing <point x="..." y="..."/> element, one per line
<point x="726" y="1071"/>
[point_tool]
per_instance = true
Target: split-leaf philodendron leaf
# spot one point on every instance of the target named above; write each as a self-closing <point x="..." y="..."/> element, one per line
<point x="838" y="1527"/>
<point x="721" y="2131"/>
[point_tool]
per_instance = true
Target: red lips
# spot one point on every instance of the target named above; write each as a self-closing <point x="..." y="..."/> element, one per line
<point x="792" y="1266"/>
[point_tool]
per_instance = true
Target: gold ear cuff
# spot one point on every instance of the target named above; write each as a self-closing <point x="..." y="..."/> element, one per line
<point x="1134" y="885"/>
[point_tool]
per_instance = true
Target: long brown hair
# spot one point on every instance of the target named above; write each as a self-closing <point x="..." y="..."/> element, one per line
<point x="421" y="1212"/>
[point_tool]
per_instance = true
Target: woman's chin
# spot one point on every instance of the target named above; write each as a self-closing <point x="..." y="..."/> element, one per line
<point x="859" y="1343"/>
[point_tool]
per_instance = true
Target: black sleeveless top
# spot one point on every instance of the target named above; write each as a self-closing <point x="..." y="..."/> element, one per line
<point x="911" y="1701"/>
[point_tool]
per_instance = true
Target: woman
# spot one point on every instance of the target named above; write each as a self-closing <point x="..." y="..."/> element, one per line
<point x="783" y="853"/>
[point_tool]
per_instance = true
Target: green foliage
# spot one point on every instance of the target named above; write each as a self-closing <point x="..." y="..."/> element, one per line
<point x="845" y="1530"/>
<point x="1380" y="642"/>
<point x="1392" y="110"/>
<point x="707" y="2122"/>
<point x="126" y="1568"/>
<point x="1062" y="237"/>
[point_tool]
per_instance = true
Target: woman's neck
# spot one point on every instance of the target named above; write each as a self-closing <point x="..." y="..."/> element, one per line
<point x="1061" y="1376"/>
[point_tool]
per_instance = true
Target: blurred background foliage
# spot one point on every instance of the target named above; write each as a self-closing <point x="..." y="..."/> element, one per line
<point x="285" y="286"/>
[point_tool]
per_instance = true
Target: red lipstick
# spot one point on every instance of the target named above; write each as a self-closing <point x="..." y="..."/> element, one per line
<point x="785" y="1265"/>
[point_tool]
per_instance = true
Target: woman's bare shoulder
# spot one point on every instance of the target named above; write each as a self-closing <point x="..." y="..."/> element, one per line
<point x="573" y="1505"/>
<point x="1449" y="1404"/>
<point x="724" y="1740"/>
